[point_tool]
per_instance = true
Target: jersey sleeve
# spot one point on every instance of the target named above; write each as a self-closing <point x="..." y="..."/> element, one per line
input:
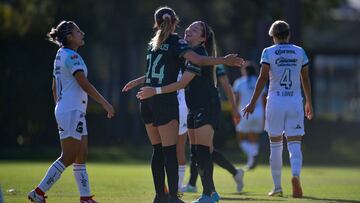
<point x="180" y="47"/>
<point x="220" y="70"/>
<point x="74" y="64"/>
<point x="265" y="57"/>
<point x="193" y="68"/>
<point x="305" y="60"/>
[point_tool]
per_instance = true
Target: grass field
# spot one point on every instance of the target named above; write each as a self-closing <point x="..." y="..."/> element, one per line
<point x="112" y="183"/>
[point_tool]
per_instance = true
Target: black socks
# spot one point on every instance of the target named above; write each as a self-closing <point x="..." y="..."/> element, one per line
<point x="220" y="160"/>
<point x="205" y="168"/>
<point x="172" y="168"/>
<point x="157" y="169"/>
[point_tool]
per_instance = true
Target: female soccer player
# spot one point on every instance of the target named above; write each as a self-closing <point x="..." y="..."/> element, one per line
<point x="203" y="103"/>
<point x="286" y="65"/>
<point x="216" y="155"/>
<point x="70" y="91"/>
<point x="165" y="56"/>
<point x="248" y="130"/>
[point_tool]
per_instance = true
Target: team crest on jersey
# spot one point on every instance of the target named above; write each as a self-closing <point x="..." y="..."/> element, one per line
<point x="75" y="56"/>
<point x="182" y="41"/>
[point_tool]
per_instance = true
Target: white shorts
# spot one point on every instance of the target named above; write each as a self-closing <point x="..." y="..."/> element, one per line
<point x="183" y="112"/>
<point x="254" y="124"/>
<point x="71" y="124"/>
<point x="284" y="118"/>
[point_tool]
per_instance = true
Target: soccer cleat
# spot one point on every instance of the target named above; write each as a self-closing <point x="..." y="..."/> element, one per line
<point x="161" y="198"/>
<point x="87" y="199"/>
<point x="296" y="186"/>
<point x="239" y="179"/>
<point x="277" y="192"/>
<point x="189" y="188"/>
<point x="215" y="196"/>
<point x="204" y="199"/>
<point x="34" y="196"/>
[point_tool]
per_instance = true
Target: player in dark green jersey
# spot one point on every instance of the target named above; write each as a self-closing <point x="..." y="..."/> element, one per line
<point x="160" y="113"/>
<point x="202" y="100"/>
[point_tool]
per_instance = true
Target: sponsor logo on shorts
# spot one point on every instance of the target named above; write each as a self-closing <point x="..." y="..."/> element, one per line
<point x="184" y="125"/>
<point x="79" y="127"/>
<point x="298" y="127"/>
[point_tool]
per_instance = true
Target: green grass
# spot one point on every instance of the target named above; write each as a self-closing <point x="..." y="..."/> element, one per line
<point x="120" y="182"/>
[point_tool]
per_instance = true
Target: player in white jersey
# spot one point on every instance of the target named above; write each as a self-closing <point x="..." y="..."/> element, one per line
<point x="70" y="89"/>
<point x="287" y="66"/>
<point x="248" y="130"/>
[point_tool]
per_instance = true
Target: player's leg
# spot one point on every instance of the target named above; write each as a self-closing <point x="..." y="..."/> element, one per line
<point x="191" y="186"/>
<point x="294" y="129"/>
<point x="274" y="125"/>
<point x="203" y="139"/>
<point x="169" y="136"/>
<point x="237" y="174"/>
<point x="180" y="151"/>
<point x="253" y="142"/>
<point x="157" y="162"/>
<point x="70" y="145"/>
<point x="294" y="148"/>
<point x="180" y="146"/>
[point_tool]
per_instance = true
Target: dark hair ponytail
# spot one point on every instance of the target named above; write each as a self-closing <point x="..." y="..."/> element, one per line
<point x="58" y="35"/>
<point x="165" y="18"/>
<point x="210" y="44"/>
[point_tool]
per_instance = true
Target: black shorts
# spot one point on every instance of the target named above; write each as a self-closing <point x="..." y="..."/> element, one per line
<point x="203" y="116"/>
<point x="158" y="113"/>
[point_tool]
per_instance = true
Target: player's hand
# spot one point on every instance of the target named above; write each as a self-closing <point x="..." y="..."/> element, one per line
<point x="146" y="92"/>
<point x="236" y="116"/>
<point x="234" y="60"/>
<point x="110" y="110"/>
<point x="309" y="111"/>
<point x="249" y="109"/>
<point x="129" y="86"/>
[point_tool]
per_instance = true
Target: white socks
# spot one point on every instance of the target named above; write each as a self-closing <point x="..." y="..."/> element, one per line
<point x="294" y="148"/>
<point x="245" y="147"/>
<point x="181" y="176"/>
<point x="251" y="149"/>
<point x="276" y="149"/>
<point x="82" y="179"/>
<point x="52" y="175"/>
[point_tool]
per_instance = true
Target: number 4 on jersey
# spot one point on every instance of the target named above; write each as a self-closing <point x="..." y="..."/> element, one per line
<point x="286" y="79"/>
<point x="152" y="66"/>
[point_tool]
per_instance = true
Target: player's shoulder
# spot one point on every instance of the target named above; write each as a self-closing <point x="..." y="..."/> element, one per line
<point x="200" y="50"/>
<point x="68" y="53"/>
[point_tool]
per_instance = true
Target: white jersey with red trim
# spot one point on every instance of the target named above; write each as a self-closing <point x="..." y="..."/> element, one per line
<point x="70" y="96"/>
<point x="286" y="62"/>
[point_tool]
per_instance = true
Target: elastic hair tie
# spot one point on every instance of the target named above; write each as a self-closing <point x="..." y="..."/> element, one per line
<point x="166" y="15"/>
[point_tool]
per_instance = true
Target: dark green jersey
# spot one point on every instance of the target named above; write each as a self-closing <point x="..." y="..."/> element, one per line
<point x="163" y="65"/>
<point x="201" y="91"/>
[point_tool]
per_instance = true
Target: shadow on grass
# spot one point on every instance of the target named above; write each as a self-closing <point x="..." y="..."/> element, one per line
<point x="330" y="200"/>
<point x="247" y="199"/>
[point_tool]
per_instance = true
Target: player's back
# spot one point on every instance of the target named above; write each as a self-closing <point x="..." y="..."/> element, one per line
<point x="69" y="93"/>
<point x="286" y="62"/>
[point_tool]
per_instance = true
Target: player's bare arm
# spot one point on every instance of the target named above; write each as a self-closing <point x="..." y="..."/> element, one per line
<point x="146" y="92"/>
<point x="93" y="93"/>
<point x="305" y="81"/>
<point x="260" y="84"/>
<point x="133" y="83"/>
